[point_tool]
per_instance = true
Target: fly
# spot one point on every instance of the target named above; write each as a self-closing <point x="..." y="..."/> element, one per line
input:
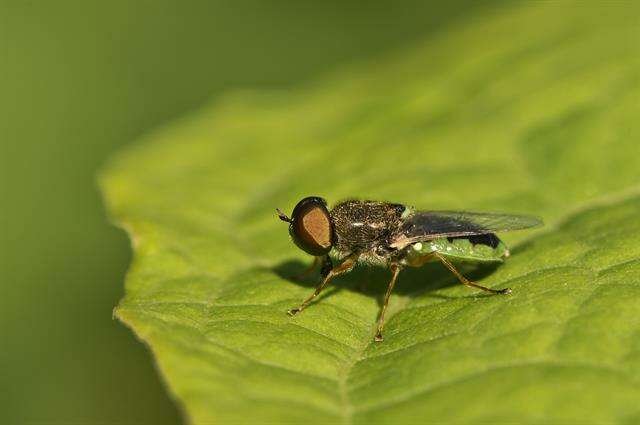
<point x="396" y="236"/>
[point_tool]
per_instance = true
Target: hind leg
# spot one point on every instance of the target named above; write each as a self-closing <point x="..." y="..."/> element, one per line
<point x="464" y="280"/>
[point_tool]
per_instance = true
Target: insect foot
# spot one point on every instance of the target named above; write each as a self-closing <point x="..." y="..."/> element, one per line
<point x="378" y="338"/>
<point x="294" y="311"/>
<point x="505" y="291"/>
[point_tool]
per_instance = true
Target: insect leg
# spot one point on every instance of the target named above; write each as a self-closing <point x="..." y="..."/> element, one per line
<point x="309" y="270"/>
<point x="466" y="281"/>
<point x="346" y="266"/>
<point x="395" y="269"/>
<point x="326" y="267"/>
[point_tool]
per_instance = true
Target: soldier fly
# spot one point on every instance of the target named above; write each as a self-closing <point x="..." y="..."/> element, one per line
<point x="395" y="236"/>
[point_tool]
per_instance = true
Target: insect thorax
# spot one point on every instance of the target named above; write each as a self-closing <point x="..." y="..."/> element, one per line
<point x="365" y="226"/>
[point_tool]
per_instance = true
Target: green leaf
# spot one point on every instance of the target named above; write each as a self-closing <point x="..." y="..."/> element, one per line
<point x="528" y="108"/>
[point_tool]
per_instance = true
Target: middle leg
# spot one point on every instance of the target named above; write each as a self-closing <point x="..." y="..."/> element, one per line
<point x="395" y="269"/>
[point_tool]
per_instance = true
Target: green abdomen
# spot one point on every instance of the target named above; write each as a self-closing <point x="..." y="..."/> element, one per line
<point x="478" y="248"/>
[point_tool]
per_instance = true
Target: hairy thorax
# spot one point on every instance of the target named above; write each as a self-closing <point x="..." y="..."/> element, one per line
<point x="365" y="228"/>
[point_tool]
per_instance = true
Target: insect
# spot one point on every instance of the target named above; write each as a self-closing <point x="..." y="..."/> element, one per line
<point x="395" y="236"/>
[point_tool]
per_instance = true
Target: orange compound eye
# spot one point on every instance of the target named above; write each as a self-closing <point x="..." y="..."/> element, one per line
<point x="311" y="227"/>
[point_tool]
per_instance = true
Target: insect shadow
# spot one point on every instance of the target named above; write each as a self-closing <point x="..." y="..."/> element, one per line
<point x="373" y="280"/>
<point x="523" y="247"/>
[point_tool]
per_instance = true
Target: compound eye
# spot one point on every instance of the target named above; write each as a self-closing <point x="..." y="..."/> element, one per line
<point x="311" y="228"/>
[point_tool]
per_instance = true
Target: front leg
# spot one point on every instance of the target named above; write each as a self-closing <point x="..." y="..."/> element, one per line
<point x="346" y="266"/>
<point x="308" y="270"/>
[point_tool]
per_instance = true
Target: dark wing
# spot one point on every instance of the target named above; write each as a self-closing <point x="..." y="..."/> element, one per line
<point x="427" y="225"/>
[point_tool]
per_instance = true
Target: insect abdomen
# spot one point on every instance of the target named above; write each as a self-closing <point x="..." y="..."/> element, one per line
<point x="476" y="248"/>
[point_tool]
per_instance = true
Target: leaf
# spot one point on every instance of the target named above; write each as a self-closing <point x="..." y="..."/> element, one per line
<point x="524" y="109"/>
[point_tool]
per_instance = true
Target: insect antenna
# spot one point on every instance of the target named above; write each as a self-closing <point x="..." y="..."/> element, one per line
<point x="282" y="216"/>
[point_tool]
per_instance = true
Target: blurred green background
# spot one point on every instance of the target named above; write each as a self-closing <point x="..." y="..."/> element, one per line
<point x="78" y="79"/>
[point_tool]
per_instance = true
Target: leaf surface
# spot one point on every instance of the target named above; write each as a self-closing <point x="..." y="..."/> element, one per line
<point x="529" y="109"/>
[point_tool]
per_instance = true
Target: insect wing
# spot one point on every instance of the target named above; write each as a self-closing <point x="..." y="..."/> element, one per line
<point x="427" y="225"/>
